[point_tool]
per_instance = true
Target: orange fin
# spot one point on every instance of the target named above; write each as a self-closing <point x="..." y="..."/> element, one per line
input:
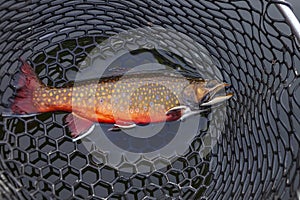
<point x="26" y="84"/>
<point x="175" y="113"/>
<point x="79" y="127"/>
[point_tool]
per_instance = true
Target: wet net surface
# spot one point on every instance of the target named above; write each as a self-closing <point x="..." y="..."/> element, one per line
<point x="257" y="156"/>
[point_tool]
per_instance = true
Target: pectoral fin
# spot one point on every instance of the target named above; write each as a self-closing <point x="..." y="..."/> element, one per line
<point x="79" y="127"/>
<point x="176" y="109"/>
<point x="176" y="113"/>
<point x="182" y="112"/>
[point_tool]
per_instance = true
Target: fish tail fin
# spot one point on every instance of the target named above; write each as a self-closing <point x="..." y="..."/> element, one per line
<point x="26" y="84"/>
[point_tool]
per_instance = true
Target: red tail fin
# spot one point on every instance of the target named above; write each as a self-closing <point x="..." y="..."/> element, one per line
<point x="27" y="83"/>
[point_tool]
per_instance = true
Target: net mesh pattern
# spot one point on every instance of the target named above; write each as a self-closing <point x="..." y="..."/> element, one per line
<point x="256" y="157"/>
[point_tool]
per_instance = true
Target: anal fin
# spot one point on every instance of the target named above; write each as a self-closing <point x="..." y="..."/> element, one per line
<point x="79" y="127"/>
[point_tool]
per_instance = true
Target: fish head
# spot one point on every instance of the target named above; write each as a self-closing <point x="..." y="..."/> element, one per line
<point x="205" y="93"/>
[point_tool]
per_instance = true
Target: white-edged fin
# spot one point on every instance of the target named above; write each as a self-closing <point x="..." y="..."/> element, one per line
<point x="177" y="108"/>
<point x="18" y="115"/>
<point x="118" y="127"/>
<point x="79" y="127"/>
<point x="82" y="135"/>
<point x="217" y="100"/>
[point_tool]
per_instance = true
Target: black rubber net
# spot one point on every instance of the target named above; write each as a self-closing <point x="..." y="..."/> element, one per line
<point x="255" y="157"/>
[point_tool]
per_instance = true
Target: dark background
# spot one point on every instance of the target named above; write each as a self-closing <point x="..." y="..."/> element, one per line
<point x="296" y="7"/>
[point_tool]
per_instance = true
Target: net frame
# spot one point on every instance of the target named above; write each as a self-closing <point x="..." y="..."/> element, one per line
<point x="257" y="158"/>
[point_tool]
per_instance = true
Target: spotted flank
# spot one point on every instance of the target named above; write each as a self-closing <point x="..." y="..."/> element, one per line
<point x="121" y="100"/>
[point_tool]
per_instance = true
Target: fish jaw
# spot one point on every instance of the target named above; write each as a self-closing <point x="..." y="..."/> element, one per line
<point x="208" y="95"/>
<point x="217" y="100"/>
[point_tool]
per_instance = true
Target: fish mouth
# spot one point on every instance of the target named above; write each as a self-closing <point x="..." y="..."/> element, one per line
<point x="215" y="95"/>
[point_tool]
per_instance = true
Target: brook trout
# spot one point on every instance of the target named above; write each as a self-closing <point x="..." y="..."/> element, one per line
<point x="121" y="100"/>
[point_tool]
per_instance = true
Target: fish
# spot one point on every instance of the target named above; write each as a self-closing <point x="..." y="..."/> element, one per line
<point x="124" y="100"/>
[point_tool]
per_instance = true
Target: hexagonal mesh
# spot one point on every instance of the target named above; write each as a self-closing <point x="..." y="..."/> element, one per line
<point x="257" y="155"/>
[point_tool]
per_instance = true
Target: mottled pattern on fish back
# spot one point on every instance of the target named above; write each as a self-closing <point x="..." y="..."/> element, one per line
<point x="140" y="99"/>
